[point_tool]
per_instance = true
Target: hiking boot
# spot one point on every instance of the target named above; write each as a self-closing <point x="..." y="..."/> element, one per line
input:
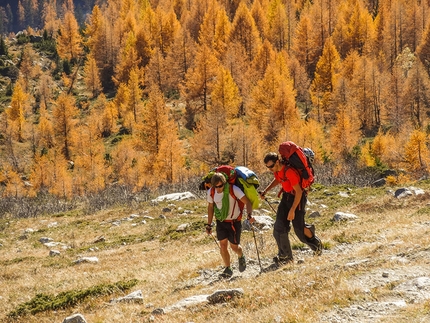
<point x="316" y="245"/>
<point x="227" y="273"/>
<point x="282" y="261"/>
<point x="242" y="263"/>
<point x="320" y="247"/>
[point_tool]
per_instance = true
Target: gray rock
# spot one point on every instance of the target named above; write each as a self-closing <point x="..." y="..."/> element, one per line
<point x="379" y="183"/>
<point x="76" y="318"/>
<point x="314" y="214"/>
<point x="93" y="260"/>
<point x="45" y="240"/>
<point x="341" y="216"/>
<point x="54" y="253"/>
<point x="222" y="296"/>
<point x="402" y="192"/>
<point x="132" y="297"/>
<point x="183" y="227"/>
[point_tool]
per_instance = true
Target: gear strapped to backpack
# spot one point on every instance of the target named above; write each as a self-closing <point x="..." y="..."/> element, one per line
<point x="242" y="177"/>
<point x="300" y="159"/>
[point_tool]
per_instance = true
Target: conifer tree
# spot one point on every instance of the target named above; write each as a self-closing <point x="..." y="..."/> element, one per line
<point x="69" y="41"/>
<point x="244" y="31"/>
<point x="92" y="79"/>
<point x="17" y="111"/>
<point x="325" y="77"/>
<point x="417" y="155"/>
<point x="225" y="94"/>
<point x="64" y="114"/>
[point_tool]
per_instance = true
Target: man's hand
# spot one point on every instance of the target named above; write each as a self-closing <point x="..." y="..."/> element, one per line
<point x="291" y="215"/>
<point x="208" y="228"/>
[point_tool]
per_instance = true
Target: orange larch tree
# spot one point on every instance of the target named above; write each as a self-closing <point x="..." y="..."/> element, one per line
<point x="65" y="113"/>
<point x="69" y="41"/>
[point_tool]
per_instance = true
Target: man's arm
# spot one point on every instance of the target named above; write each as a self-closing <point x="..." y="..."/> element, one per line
<point x="210" y="218"/>
<point x="272" y="184"/>
<point x="298" y="192"/>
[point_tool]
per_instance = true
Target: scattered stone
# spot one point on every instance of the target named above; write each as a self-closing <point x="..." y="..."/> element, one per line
<point x="385" y="274"/>
<point x="341" y="216"/>
<point x="162" y="216"/>
<point x="133" y="216"/>
<point x="148" y="217"/>
<point x="356" y="263"/>
<point x="76" y="318"/>
<point x="183" y="227"/>
<point x="379" y="183"/>
<point x="343" y="194"/>
<point x="52" y="224"/>
<point x="221" y="296"/>
<point x="402" y="192"/>
<point x="314" y="214"/>
<point x="54" y="253"/>
<point x="92" y="260"/>
<point x="132" y="297"/>
<point x="29" y="230"/>
<point x="166" y="209"/>
<point x="175" y="197"/>
<point x="45" y="240"/>
<point x="100" y="239"/>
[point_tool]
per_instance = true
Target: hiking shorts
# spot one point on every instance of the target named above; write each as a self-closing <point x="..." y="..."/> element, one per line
<point x="229" y="230"/>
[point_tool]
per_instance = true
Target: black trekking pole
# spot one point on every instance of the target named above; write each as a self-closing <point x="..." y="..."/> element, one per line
<point x="256" y="247"/>
<point x="273" y="209"/>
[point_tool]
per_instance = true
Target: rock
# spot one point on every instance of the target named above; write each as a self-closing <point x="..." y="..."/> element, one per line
<point x="93" y="260"/>
<point x="175" y="197"/>
<point x="402" y="192"/>
<point x="379" y="183"/>
<point x="76" y="318"/>
<point x="100" y="239"/>
<point x="45" y="240"/>
<point x="54" y="253"/>
<point x="314" y="214"/>
<point x="341" y="216"/>
<point x="166" y="209"/>
<point x="132" y="297"/>
<point x="221" y="296"/>
<point x="183" y="227"/>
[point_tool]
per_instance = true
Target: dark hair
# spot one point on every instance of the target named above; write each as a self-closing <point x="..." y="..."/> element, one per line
<point x="218" y="177"/>
<point x="272" y="156"/>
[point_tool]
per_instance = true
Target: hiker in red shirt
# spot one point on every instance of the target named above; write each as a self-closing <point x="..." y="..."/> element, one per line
<point x="290" y="210"/>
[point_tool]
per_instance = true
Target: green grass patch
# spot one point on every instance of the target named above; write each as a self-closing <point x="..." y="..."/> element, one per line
<point x="43" y="302"/>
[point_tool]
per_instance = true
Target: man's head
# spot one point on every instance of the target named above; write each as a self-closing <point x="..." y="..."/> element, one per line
<point x="218" y="181"/>
<point x="272" y="162"/>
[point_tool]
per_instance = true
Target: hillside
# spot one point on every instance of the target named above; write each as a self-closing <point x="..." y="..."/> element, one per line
<point x="375" y="268"/>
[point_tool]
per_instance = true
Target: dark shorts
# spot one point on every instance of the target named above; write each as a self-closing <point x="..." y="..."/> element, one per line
<point x="229" y="230"/>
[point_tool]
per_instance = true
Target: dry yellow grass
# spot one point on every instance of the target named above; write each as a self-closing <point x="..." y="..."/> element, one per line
<point x="167" y="264"/>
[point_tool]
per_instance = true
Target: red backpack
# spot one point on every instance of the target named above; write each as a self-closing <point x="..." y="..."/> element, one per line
<point x="299" y="159"/>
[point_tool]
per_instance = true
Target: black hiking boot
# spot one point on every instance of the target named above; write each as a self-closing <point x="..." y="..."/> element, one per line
<point x="316" y="245"/>
<point x="242" y="263"/>
<point x="227" y="273"/>
<point x="282" y="261"/>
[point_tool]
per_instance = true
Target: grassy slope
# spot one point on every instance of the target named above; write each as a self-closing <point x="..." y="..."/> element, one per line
<point x="166" y="262"/>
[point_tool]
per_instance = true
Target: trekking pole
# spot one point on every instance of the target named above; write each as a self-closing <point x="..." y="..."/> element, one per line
<point x="273" y="209"/>
<point x="215" y="240"/>
<point x="256" y="247"/>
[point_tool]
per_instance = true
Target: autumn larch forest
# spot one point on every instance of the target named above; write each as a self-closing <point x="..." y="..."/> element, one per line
<point x="142" y="93"/>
